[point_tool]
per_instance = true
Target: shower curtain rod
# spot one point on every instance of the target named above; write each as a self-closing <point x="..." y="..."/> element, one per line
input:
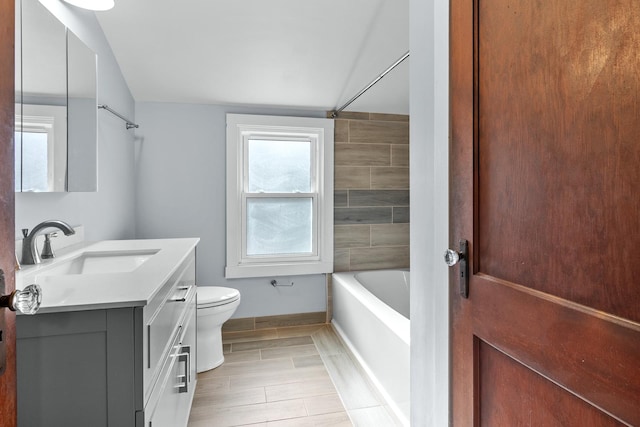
<point x="129" y="124"/>
<point x="337" y="111"/>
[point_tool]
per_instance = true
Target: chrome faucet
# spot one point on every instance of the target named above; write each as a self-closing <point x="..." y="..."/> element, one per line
<point x="29" y="252"/>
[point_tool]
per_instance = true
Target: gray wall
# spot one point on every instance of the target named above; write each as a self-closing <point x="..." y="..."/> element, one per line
<point x="181" y="182"/>
<point x="429" y="28"/>
<point x="108" y="213"/>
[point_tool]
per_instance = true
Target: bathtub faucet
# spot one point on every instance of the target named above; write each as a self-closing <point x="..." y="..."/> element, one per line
<point x="29" y="252"/>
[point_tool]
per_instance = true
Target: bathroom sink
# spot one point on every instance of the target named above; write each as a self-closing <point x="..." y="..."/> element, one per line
<point x="106" y="274"/>
<point x="101" y="263"/>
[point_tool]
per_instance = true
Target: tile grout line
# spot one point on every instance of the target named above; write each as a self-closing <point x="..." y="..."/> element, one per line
<point x="305" y="400"/>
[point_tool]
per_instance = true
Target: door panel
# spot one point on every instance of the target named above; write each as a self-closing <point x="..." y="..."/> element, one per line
<point x="499" y="406"/>
<point x="558" y="146"/>
<point x="582" y="350"/>
<point x="545" y="154"/>
<point x="7" y="260"/>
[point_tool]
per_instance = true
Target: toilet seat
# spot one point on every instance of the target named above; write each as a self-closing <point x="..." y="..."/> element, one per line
<point x="214" y="296"/>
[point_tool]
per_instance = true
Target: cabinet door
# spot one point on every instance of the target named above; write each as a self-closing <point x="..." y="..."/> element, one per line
<point x="62" y="363"/>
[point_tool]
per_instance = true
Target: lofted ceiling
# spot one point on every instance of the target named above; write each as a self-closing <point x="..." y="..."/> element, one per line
<point x="282" y="53"/>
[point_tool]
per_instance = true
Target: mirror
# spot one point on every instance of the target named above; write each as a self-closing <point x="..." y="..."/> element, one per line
<point x="41" y="104"/>
<point x="56" y="105"/>
<point x="82" y="110"/>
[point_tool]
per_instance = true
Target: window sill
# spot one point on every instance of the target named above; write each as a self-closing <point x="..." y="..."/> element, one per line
<point x="281" y="269"/>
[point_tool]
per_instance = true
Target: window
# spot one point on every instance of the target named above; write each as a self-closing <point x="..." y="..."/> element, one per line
<point x="31" y="152"/>
<point x="279" y="196"/>
<point x="40" y="148"/>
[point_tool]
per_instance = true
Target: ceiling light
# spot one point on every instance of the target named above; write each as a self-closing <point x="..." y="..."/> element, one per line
<point x="92" y="4"/>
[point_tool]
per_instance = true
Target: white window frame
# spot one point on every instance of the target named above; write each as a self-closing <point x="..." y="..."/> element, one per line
<point x="241" y="128"/>
<point x="52" y="121"/>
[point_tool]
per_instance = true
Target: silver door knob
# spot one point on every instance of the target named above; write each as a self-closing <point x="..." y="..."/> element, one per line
<point x="452" y="257"/>
<point x="26" y="301"/>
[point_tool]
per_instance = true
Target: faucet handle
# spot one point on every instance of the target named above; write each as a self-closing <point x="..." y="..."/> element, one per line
<point x="47" y="250"/>
<point x="25" y="232"/>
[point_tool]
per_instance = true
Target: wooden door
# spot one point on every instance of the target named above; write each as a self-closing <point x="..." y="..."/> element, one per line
<point x="545" y="186"/>
<point x="7" y="260"/>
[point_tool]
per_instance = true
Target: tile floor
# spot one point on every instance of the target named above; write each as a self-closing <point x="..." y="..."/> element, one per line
<point x="287" y="377"/>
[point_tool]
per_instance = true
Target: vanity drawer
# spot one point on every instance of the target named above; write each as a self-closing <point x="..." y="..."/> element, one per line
<point x="171" y="398"/>
<point x="178" y="297"/>
<point x="164" y="325"/>
<point x="162" y="407"/>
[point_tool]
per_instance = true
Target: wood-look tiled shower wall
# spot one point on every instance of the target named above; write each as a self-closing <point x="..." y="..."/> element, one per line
<point x="371" y="191"/>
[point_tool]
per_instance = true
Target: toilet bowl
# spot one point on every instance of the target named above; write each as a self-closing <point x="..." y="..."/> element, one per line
<point x="215" y="305"/>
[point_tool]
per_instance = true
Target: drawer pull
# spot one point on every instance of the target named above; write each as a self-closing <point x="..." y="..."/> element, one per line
<point x="184" y="297"/>
<point x="184" y="380"/>
<point x="182" y="384"/>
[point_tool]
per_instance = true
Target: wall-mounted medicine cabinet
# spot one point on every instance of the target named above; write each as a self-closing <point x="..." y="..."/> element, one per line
<point x="56" y="105"/>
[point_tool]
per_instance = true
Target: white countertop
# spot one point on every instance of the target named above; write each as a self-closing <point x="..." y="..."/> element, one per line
<point x="75" y="292"/>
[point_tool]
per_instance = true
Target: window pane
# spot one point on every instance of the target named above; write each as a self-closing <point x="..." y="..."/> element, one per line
<point x="17" y="137"/>
<point x="279" y="226"/>
<point x="279" y="166"/>
<point x="35" y="161"/>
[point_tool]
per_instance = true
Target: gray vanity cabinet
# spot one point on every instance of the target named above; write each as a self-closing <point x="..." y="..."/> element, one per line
<point x="112" y="367"/>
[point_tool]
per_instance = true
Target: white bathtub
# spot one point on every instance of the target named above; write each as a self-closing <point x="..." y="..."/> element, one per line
<point x="371" y="314"/>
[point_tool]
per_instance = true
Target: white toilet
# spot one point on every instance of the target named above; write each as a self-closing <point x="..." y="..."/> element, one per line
<point x="215" y="306"/>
